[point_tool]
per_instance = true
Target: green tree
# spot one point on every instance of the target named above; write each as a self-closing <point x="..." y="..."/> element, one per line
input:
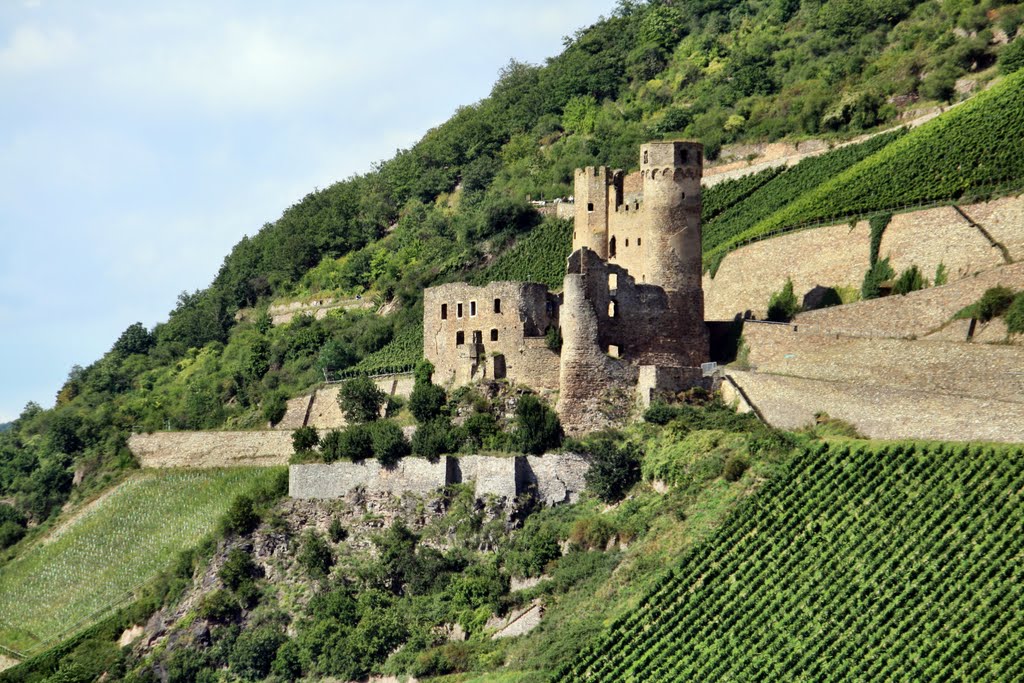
<point x="783" y="305"/>
<point x="389" y="443"/>
<point x="877" y="274"/>
<point x="254" y="652"/>
<point x="1015" y="315"/>
<point x="135" y="339"/>
<point x="1011" y="58"/>
<point x="315" y="555"/>
<point x="427" y="400"/>
<point x="910" y="280"/>
<point x="537" y="426"/>
<point x="614" y="465"/>
<point x="241" y="517"/>
<point x="305" y="439"/>
<point x="360" y="400"/>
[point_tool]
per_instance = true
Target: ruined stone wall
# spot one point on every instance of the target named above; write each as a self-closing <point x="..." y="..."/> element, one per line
<point x="211" y="449"/>
<point x="626" y="231"/>
<point x="838" y="255"/>
<point x="591" y="196"/>
<point x="493" y="336"/>
<point x="917" y="314"/>
<point x="320" y="409"/>
<point x="553" y="478"/>
<point x="281" y="314"/>
<point x="954" y="369"/>
<point x="882" y="412"/>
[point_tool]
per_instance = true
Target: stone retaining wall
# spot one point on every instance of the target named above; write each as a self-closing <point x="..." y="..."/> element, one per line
<point x="321" y="409"/>
<point x="553" y="478"/>
<point x="211" y="449"/>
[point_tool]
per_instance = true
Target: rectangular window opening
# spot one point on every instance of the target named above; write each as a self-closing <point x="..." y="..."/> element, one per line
<point x="478" y="337"/>
<point x="613" y="309"/>
<point x="444" y="311"/>
<point x="615" y="351"/>
<point x="472" y="308"/>
<point x="494" y="335"/>
<point x="497" y="305"/>
<point x="458" y="310"/>
<point x="460" y="338"/>
<point x="590" y="207"/>
<point x="613" y="281"/>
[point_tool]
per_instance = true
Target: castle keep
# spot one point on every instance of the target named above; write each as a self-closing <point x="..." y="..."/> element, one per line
<point x="631" y="311"/>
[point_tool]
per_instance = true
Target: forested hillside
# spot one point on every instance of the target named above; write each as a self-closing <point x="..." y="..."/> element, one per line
<point x="455" y="205"/>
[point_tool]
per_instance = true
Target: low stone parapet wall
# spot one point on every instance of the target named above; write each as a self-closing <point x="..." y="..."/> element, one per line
<point x="553" y="478"/>
<point x="211" y="449"/>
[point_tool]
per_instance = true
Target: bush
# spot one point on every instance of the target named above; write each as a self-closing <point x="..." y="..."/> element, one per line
<point x="1011" y="59"/>
<point x="537" y="426"/>
<point x="591" y="533"/>
<point x="238" y="569"/>
<point x="305" y="439"/>
<point x="219" y="606"/>
<point x="553" y="338"/>
<point x="360" y="400"/>
<point x="315" y="556"/>
<point x="389" y="443"/>
<point x="274" y="407"/>
<point x="910" y="280"/>
<point x="480" y="427"/>
<point x="1015" y="315"/>
<point x="241" y="518"/>
<point x="880" y="272"/>
<point x="660" y="413"/>
<point x="992" y="304"/>
<point x="941" y="275"/>
<point x="337" y="531"/>
<point x="254" y="652"/>
<point x="782" y="305"/>
<point x="734" y="468"/>
<point x="427" y="399"/>
<point x="353" y="443"/>
<point x="434" y="439"/>
<point x="614" y="467"/>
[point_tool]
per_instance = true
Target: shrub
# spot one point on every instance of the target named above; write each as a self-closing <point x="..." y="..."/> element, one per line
<point x="254" y="652"/>
<point x="360" y="400"/>
<point x="910" y="280"/>
<point x="880" y="272"/>
<point x="241" y="518"/>
<point x="1011" y="59"/>
<point x="305" y="439"/>
<point x="553" y="338"/>
<point x="591" y="533"/>
<point x="614" y="467"/>
<point x="315" y="555"/>
<point x="734" y="468"/>
<point x="337" y="531"/>
<point x="660" y="413"/>
<point x="537" y="426"/>
<point x="238" y="569"/>
<point x="388" y="441"/>
<point x="1015" y="315"/>
<point x="941" y="275"/>
<point x="219" y="606"/>
<point x="992" y="304"/>
<point x="480" y="427"/>
<point x="434" y="439"/>
<point x="274" y="407"/>
<point x="427" y="399"/>
<point x="782" y="305"/>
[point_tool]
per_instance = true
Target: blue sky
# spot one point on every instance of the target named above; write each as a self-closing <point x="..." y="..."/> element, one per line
<point x="140" y="140"/>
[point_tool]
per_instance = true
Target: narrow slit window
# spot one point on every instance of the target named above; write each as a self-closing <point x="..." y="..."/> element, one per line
<point x="444" y="311"/>
<point x="611" y="248"/>
<point x="497" y="305"/>
<point x="460" y="338"/>
<point x="627" y="241"/>
<point x="494" y="335"/>
<point x="458" y="310"/>
<point x="613" y="281"/>
<point x="638" y="241"/>
<point x="590" y="207"/>
<point x="472" y="308"/>
<point x="613" y="309"/>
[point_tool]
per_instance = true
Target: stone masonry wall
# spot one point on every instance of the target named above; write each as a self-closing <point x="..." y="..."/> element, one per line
<point x="837" y="255"/>
<point x="211" y="449"/>
<point x="554" y="478"/>
<point x="915" y="315"/>
<point x="320" y="409"/>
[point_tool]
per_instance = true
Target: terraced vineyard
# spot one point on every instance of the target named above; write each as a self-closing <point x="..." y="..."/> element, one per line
<point x="537" y="257"/>
<point x="974" y="150"/>
<point x="864" y="562"/>
<point x="113" y="546"/>
<point x="398" y="355"/>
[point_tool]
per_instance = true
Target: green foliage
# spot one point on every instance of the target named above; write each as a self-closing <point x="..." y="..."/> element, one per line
<point x="994" y="302"/>
<point x="539" y="256"/>
<point x="145" y="522"/>
<point x="614" y="465"/>
<point x="879" y="273"/>
<point x="580" y="115"/>
<point x="782" y="305"/>
<point x="241" y="517"/>
<point x="878" y="224"/>
<point x="553" y="338"/>
<point x="721" y="197"/>
<point x="274" y="407"/>
<point x="1011" y="58"/>
<point x="305" y="439"/>
<point x="353" y="443"/>
<point x="941" y="275"/>
<point x="337" y="531"/>
<point x="360" y="400"/>
<point x="773" y="549"/>
<point x="910" y="280"/>
<point x="1014" y="315"/>
<point x="238" y="569"/>
<point x="220" y="606"/>
<point x="316" y="557"/>
<point x="537" y="427"/>
<point x="435" y="438"/>
<point x="970" y="149"/>
<point x="533" y="548"/>
<point x="255" y="651"/>
<point x="389" y="443"/>
<point x="739" y="221"/>
<point x="135" y="339"/>
<point x="403" y="352"/>
<point x="427" y="400"/>
<point x="660" y="413"/>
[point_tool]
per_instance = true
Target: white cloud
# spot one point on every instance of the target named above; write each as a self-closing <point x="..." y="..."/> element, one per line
<point x="31" y="49"/>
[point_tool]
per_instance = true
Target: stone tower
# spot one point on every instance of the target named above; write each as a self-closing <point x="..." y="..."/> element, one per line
<point x="671" y="174"/>
<point x="591" y="220"/>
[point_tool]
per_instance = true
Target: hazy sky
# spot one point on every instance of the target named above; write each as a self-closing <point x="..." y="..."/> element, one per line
<point x="140" y="140"/>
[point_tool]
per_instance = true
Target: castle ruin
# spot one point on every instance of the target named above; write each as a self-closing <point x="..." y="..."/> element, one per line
<point x="631" y="311"/>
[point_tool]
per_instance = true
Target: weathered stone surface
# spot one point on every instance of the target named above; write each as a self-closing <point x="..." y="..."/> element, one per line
<point x="335" y="480"/>
<point x="321" y="410"/>
<point x="557" y="477"/>
<point x="211" y="449"/>
<point x="518" y="622"/>
<point x="493" y="476"/>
